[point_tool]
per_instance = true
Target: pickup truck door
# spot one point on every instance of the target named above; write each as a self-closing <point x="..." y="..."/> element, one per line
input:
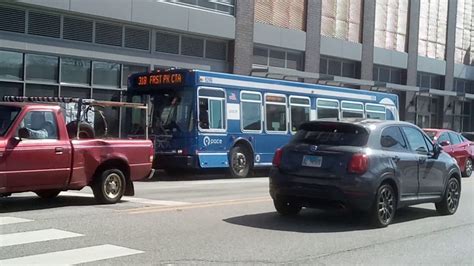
<point x="43" y="160"/>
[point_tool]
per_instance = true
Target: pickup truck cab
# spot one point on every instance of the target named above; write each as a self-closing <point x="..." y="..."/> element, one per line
<point x="37" y="153"/>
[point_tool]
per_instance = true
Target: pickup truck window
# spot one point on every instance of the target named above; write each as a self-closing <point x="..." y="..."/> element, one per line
<point x="40" y="125"/>
<point x="8" y="114"/>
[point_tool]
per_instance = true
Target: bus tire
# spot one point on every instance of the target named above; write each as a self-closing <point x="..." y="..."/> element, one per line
<point x="239" y="162"/>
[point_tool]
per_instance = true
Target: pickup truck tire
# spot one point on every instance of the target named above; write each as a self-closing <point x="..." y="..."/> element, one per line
<point x="109" y="186"/>
<point x="48" y="194"/>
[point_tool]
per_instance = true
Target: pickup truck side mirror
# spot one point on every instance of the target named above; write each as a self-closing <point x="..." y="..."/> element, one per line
<point x="445" y="143"/>
<point x="23" y="133"/>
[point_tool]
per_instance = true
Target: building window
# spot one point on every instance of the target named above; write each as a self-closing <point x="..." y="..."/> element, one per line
<point x="137" y="38"/>
<point x="339" y="67"/>
<point x="167" y="43"/>
<point x="465" y="32"/>
<point x="112" y="113"/>
<point x="216" y="50"/>
<point x="42" y="68"/>
<point x="84" y="93"/>
<point x="389" y="74"/>
<point x="221" y="6"/>
<point x="192" y="46"/>
<point x="106" y="74"/>
<point x="278" y="58"/>
<point x="341" y="19"/>
<point x="11" y="65"/>
<point x="433" y="25"/>
<point x="11" y="89"/>
<point x="391" y="20"/>
<point x="251" y="114"/>
<point x="77" y="71"/>
<point x="12" y="19"/>
<point x="129" y="70"/>
<point x="426" y="80"/>
<point x="41" y="90"/>
<point x="284" y="14"/>
<point x="108" y="34"/>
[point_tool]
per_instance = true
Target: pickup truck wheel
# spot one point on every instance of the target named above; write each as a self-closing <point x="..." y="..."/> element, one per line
<point x="109" y="187"/>
<point x="48" y="194"/>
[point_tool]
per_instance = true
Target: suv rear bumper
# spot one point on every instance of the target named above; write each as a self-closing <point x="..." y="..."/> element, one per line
<point x="322" y="193"/>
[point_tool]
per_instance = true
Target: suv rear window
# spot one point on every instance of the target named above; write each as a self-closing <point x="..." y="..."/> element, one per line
<point x="334" y="134"/>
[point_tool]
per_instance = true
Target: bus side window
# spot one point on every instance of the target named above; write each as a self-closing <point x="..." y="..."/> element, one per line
<point x="375" y="111"/>
<point x="203" y="113"/>
<point x="352" y="109"/>
<point x="251" y="114"/>
<point x="299" y="111"/>
<point x="327" y="108"/>
<point x="275" y="113"/>
<point x="212" y="109"/>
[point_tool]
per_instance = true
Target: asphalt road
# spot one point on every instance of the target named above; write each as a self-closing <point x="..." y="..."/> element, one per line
<point x="223" y="221"/>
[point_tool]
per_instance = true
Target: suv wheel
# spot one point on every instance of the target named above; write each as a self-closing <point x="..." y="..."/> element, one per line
<point x="384" y="207"/>
<point x="468" y="168"/>
<point x="450" y="202"/>
<point x="286" y="208"/>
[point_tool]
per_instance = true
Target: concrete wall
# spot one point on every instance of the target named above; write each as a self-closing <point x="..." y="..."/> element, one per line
<point x="279" y="37"/>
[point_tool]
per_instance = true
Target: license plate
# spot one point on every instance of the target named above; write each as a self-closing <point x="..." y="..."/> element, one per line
<point x="312" y="161"/>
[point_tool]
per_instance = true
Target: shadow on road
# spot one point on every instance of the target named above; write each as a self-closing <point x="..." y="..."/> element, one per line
<point x="318" y="221"/>
<point x="19" y="204"/>
<point x="198" y="174"/>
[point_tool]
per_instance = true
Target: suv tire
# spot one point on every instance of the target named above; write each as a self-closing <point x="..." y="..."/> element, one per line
<point x="286" y="208"/>
<point x="384" y="206"/>
<point x="450" y="202"/>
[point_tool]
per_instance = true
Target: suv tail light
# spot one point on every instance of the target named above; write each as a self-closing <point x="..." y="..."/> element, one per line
<point x="277" y="158"/>
<point x="359" y="163"/>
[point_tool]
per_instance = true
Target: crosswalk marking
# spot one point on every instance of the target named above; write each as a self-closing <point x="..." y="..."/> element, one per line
<point x="12" y="220"/>
<point x="73" y="256"/>
<point x="132" y="199"/>
<point x="7" y="240"/>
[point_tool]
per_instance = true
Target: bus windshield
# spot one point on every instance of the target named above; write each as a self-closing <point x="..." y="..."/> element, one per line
<point x="172" y="112"/>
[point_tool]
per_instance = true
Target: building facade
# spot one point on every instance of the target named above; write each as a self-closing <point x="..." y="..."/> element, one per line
<point x="422" y="50"/>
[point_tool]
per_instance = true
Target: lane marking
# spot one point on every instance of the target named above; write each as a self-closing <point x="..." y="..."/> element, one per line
<point x="14" y="239"/>
<point x="132" y="199"/>
<point x="13" y="220"/>
<point x="73" y="256"/>
<point x="197" y="205"/>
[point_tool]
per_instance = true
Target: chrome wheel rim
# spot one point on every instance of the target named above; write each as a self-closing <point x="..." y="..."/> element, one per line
<point x="386" y="205"/>
<point x="113" y="186"/>
<point x="468" y="167"/>
<point x="239" y="162"/>
<point x="453" y="195"/>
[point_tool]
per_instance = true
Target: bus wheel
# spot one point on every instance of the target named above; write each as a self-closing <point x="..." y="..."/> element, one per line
<point x="239" y="162"/>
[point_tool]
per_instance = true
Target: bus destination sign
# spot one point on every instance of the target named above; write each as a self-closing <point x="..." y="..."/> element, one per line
<point x="159" y="79"/>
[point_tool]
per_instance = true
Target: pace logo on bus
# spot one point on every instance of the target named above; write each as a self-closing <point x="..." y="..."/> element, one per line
<point x="211" y="141"/>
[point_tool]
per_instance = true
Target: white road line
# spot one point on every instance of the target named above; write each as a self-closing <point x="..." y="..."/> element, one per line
<point x="73" y="256"/>
<point x="132" y="199"/>
<point x="34" y="236"/>
<point x="12" y="220"/>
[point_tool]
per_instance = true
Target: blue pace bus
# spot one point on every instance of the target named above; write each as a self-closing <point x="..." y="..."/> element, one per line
<point x="203" y="119"/>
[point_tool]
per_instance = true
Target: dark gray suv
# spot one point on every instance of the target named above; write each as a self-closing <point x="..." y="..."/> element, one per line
<point x="367" y="165"/>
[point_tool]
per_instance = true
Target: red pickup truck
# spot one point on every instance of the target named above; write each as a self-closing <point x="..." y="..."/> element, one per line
<point x="39" y="153"/>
